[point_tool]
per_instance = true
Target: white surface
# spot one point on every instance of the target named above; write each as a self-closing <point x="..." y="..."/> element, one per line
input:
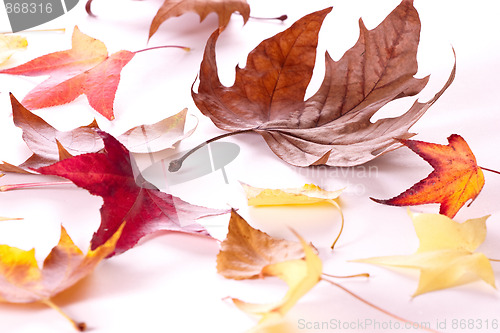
<point x="169" y="284"/>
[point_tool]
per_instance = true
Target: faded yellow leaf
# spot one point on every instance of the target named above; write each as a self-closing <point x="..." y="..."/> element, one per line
<point x="248" y="253"/>
<point x="308" y="194"/>
<point x="22" y="281"/>
<point x="10" y="44"/>
<point x="301" y="275"/>
<point x="446" y="256"/>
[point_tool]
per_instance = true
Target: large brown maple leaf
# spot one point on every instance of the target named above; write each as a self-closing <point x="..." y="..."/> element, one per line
<point x="333" y="126"/>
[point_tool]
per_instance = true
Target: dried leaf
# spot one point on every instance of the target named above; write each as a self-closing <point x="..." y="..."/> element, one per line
<point x="308" y="194"/>
<point x="446" y="256"/>
<point x="247" y="252"/>
<point x="50" y="145"/>
<point x="162" y="135"/>
<point x="223" y="8"/>
<point x="9" y="44"/>
<point x="113" y="175"/>
<point x="456" y="177"/>
<point x="333" y="126"/>
<point x="22" y="281"/>
<point x="42" y="139"/>
<point x="84" y="69"/>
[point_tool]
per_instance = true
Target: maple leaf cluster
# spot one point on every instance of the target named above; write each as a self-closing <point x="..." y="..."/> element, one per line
<point x="333" y="127"/>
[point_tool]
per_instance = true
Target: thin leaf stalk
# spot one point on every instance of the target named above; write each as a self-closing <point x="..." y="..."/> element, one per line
<point x="175" y="165"/>
<point x="378" y="308"/>
<point x="79" y="326"/>
<point x="10" y="187"/>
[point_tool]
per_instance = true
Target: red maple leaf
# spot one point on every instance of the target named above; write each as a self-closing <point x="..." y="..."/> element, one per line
<point x="145" y="209"/>
<point x="86" y="69"/>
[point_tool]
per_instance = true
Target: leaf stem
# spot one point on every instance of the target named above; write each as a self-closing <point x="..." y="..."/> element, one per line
<point x="80" y="327"/>
<point x="496" y="260"/>
<point x="280" y="18"/>
<point x="490" y="170"/>
<point x="342" y="222"/>
<point x="5" y="188"/>
<point x="376" y="307"/>
<point x="185" y="48"/>
<point x="37" y="30"/>
<point x="346" y="276"/>
<point x="175" y="165"/>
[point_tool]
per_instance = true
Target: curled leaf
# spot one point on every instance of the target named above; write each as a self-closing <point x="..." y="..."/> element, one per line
<point x="162" y="135"/>
<point x="308" y="194"/>
<point x="333" y="126"/>
<point x="223" y="8"/>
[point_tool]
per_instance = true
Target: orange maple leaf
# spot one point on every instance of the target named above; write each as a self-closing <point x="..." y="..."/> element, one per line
<point x="86" y="69"/>
<point x="456" y="177"/>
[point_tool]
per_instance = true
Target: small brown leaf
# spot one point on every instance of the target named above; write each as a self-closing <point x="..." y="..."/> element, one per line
<point x="223" y="8"/>
<point x="246" y="251"/>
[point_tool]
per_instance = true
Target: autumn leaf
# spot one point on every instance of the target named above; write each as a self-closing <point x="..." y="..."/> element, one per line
<point x="446" y="256"/>
<point x="9" y="44"/>
<point x="308" y="194"/>
<point x="246" y="250"/>
<point x="248" y="253"/>
<point x="456" y="177"/>
<point x="50" y="145"/>
<point x="42" y="139"/>
<point x="333" y="126"/>
<point x="84" y="69"/>
<point x="164" y="134"/>
<point x="22" y="281"/>
<point x="113" y="175"/>
<point x="223" y="8"/>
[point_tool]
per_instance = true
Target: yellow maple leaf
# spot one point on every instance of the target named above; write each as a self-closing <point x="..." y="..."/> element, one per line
<point x="10" y="44"/>
<point x="446" y="256"/>
<point x="308" y="194"/>
<point x="22" y="281"/>
<point x="301" y="274"/>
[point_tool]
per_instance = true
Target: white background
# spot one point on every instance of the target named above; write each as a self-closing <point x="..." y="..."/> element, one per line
<point x="169" y="283"/>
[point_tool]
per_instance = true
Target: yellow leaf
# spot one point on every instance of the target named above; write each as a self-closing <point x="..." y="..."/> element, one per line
<point x="22" y="281"/>
<point x="308" y="194"/>
<point x="10" y="44"/>
<point x="301" y="275"/>
<point x="445" y="256"/>
<point x="247" y="253"/>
